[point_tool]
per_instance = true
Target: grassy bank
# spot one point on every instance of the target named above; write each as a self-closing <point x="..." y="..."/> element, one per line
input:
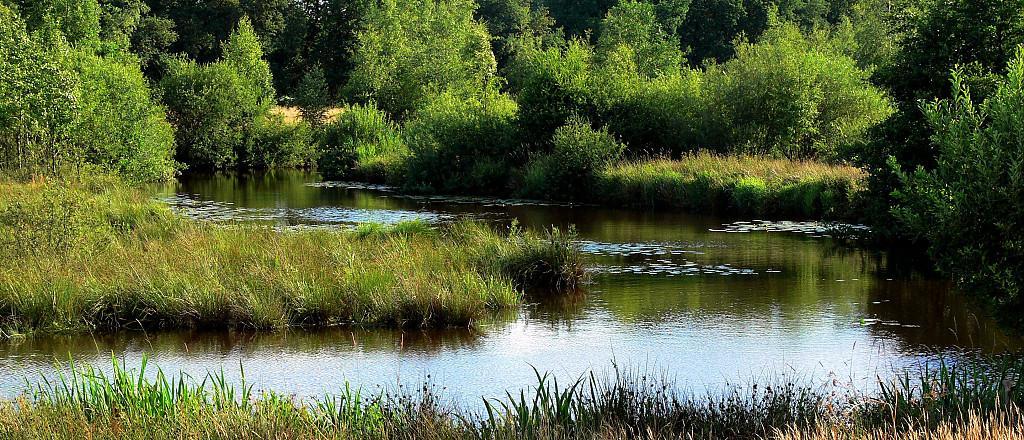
<point x="973" y="403"/>
<point x="88" y="255"/>
<point x="736" y="184"/>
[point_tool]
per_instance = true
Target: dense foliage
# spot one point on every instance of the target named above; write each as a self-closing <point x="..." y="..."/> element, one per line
<point x="969" y="206"/>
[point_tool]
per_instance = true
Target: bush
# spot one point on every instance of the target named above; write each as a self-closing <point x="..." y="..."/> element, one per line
<point x="274" y="143"/>
<point x="410" y="49"/>
<point x="668" y="114"/>
<point x="215" y="107"/>
<point x="792" y="96"/>
<point x="970" y="208"/>
<point x="120" y="127"/>
<point x="571" y="170"/>
<point x="464" y="143"/>
<point x="551" y="85"/>
<point x="361" y="143"/>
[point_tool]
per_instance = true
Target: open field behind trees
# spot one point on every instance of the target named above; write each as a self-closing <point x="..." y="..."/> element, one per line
<point x="90" y="255"/>
<point x="965" y="402"/>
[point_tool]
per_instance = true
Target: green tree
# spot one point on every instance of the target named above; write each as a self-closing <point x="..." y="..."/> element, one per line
<point x="215" y="107"/>
<point x="636" y="25"/>
<point x="978" y="35"/>
<point x="464" y="143"/>
<point x="244" y="52"/>
<point x="120" y="127"/>
<point x="570" y="171"/>
<point x="38" y="97"/>
<point x="312" y="97"/>
<point x="410" y="49"/>
<point x="77" y="20"/>
<point x="970" y="207"/>
<point x="790" y="95"/>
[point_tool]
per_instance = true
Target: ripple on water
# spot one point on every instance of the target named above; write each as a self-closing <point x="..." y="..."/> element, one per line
<point x="192" y="207"/>
<point x="393" y="192"/>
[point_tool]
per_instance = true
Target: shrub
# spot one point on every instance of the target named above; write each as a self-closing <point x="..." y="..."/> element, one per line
<point x="216" y="106"/>
<point x="463" y="143"/>
<point x="275" y="143"/>
<point x="668" y="114"/>
<point x="362" y="142"/>
<point x="212" y="110"/>
<point x="410" y="49"/>
<point x="571" y="169"/>
<point x="970" y="208"/>
<point x="120" y="127"/>
<point x="551" y="85"/>
<point x="788" y="95"/>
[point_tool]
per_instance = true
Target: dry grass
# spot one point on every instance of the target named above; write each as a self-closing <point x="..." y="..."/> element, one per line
<point x="975" y="427"/>
<point x="292" y="115"/>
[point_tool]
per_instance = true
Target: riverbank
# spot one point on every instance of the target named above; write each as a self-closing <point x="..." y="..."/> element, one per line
<point x="947" y="402"/>
<point x="88" y="254"/>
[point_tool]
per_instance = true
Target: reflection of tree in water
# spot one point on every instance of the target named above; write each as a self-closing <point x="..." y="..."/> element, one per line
<point x="925" y="314"/>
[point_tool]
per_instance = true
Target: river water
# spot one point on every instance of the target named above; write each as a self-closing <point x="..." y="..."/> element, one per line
<point x="703" y="301"/>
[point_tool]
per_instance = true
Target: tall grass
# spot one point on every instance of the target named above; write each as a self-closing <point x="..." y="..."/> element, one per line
<point x="87" y="256"/>
<point x="85" y="403"/>
<point x="738" y="184"/>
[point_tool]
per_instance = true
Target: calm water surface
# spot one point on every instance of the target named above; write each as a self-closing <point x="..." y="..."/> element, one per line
<point x="703" y="300"/>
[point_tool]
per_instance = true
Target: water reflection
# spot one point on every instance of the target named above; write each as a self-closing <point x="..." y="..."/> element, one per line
<point x="670" y="291"/>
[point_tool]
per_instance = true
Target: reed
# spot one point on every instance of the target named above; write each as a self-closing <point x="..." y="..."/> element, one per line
<point x="85" y="403"/>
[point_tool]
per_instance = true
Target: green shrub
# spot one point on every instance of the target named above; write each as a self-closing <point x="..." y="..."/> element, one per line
<point x="668" y="114"/>
<point x="750" y="195"/>
<point x="274" y="143"/>
<point x="571" y="169"/>
<point x="970" y="208"/>
<point x="361" y="143"/>
<point x="215" y="107"/>
<point x="790" y="95"/>
<point x="463" y="143"/>
<point x="411" y="49"/>
<point x="120" y="127"/>
<point x="551" y="85"/>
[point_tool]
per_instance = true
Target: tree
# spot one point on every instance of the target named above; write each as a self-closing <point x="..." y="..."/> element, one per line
<point x="636" y="25"/>
<point x="978" y="35"/>
<point x="312" y="97"/>
<point x="411" y="49"/>
<point x="120" y="127"/>
<point x="789" y="95"/>
<point x="244" y="52"/>
<point x="77" y="20"/>
<point x="969" y="207"/>
<point x="216" y="106"/>
<point x="38" y="99"/>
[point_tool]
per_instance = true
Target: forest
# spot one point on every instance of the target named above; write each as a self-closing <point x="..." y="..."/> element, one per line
<point x="905" y="116"/>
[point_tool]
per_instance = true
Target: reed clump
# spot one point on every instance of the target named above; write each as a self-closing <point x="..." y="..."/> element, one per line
<point x="86" y="403"/>
<point x="749" y="185"/>
<point x="90" y="255"/>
